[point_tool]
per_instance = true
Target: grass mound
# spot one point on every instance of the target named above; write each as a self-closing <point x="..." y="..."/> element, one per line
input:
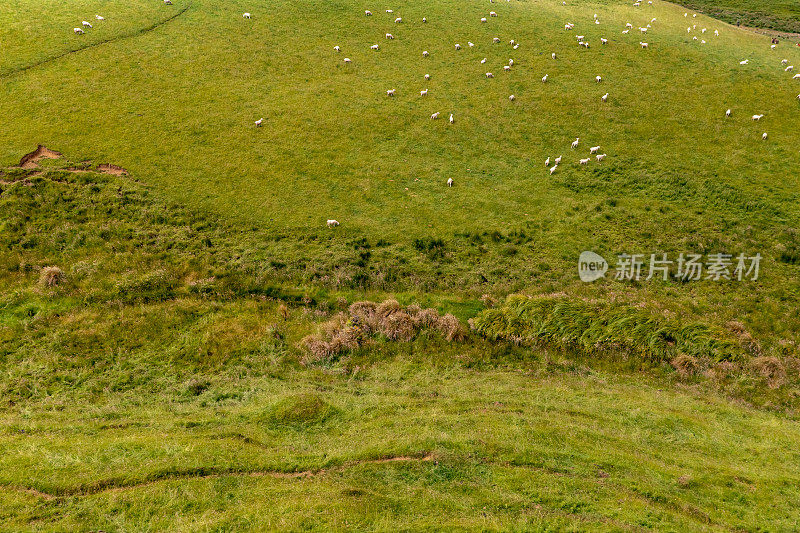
<point x="596" y="326"/>
<point x="301" y="411"/>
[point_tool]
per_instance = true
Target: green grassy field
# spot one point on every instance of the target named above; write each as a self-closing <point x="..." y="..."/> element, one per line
<point x="779" y="15"/>
<point x="160" y="377"/>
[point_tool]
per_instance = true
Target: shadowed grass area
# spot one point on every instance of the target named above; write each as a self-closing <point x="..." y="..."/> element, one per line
<point x="778" y="15"/>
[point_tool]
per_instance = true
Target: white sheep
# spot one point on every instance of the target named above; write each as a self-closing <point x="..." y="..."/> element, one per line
<point x="703" y="30"/>
<point x="451" y="118"/>
<point x="427" y="77"/>
<point x="390" y="11"/>
<point x="458" y="46"/>
<point x="604" y="97"/>
<point x="652" y="20"/>
<point x="547" y="162"/>
<point x="575" y="143"/>
<point x="603" y="41"/>
<point x="470" y="43"/>
<point x="772" y="47"/>
<point x="784" y="62"/>
<point x="628" y="25"/>
<point x="368" y="13"/>
<point x="516" y="46"/>
<point x="496" y="39"/>
<point x="558" y="160"/>
<point x="374" y="47"/>
<point x="585" y="45"/>
<point x="423" y="92"/>
<point x="390" y="92"/>
<point x="625" y="31"/>
<point x="449" y="182"/>
<point x="398" y="20"/>
<point x="492" y="14"/>
<point x="585" y="161"/>
<point x="424" y="19"/>
<point x="789" y="68"/>
<point x="389" y="36"/>
<point x="332" y="223"/>
<point x="553" y="55"/>
<point x="506" y="68"/>
<point x="716" y="33"/>
<point x="764" y="137"/>
<point x="544" y="78"/>
<point x="796" y="77"/>
<point x="643" y="30"/>
<point x="425" y="53"/>
<point x="259" y="122"/>
<point x="511" y="62"/>
<point x="86" y="24"/>
<point x="553" y="169"/>
<point x="757" y="117"/>
<point x="744" y="62"/>
<point x="483" y="61"/>
<point x="599" y="79"/>
<point x="78" y="31"/>
<point x="644" y="45"/>
<point x="489" y="75"/>
<point x="337" y="48"/>
<point x="246" y="15"/>
<point x="594" y="149"/>
<point x="347" y="60"/>
<point x="168" y="2"/>
<point x="600" y="157"/>
<point x="435" y="116"/>
<point x="728" y="113"/>
<point x="579" y="37"/>
<point x="512" y="97"/>
<point x="483" y="19"/>
<point x="98" y="17"/>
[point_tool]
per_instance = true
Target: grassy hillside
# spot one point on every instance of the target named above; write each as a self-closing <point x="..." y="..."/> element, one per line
<point x="178" y="346"/>
<point x="779" y="15"/>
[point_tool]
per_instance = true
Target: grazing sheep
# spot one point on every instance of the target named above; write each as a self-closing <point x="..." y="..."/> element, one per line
<point x="764" y="137"/>
<point x="744" y="62"/>
<point x="796" y="77"/>
<point x="506" y="68"/>
<point x="688" y="30"/>
<point x="629" y="25"/>
<point x="772" y="47"/>
<point x="424" y="19"/>
<point x="451" y="118"/>
<point x="259" y="122"/>
<point x="435" y="116"/>
<point x="789" y="68"/>
<point x="553" y="169"/>
<point x="785" y="61"/>
<point x="390" y="11"/>
<point x="643" y="30"/>
<point x="547" y="162"/>
<point x="716" y="33"/>
<point x="427" y="77"/>
<point x="597" y="22"/>
<point x="600" y="157"/>
<point x="544" y="79"/>
<point x="458" y="46"/>
<point x="599" y="79"/>
<point x="757" y="117"/>
<point x="332" y="223"/>
<point x="512" y="97"/>
<point x="470" y="43"/>
<point x="558" y="160"/>
<point x="575" y="143"/>
<point x="553" y="55"/>
<point x="579" y="37"/>
<point x="645" y="45"/>
<point x="368" y="13"/>
<point x="483" y="19"/>
<point x="78" y="31"/>
<point x="594" y="149"/>
<point x="585" y="161"/>
<point x="496" y="39"/>
<point x="389" y="36"/>
<point x="694" y="38"/>
<point x="246" y="15"/>
<point x="347" y="60"/>
<point x="168" y="2"/>
<point x="511" y="62"/>
<point x="86" y="24"/>
<point x="603" y="41"/>
<point x="516" y="46"/>
<point x="625" y="31"/>
<point x="694" y="16"/>
<point x="728" y="113"/>
<point x="98" y="17"/>
<point x="604" y="97"/>
<point x="798" y="96"/>
<point x="703" y="41"/>
<point x="425" y="53"/>
<point x="492" y="14"/>
<point x="398" y="20"/>
<point x="483" y="61"/>
<point x="703" y="30"/>
<point x="586" y="45"/>
<point x="337" y="48"/>
<point x="449" y="182"/>
<point x="423" y="92"/>
<point x="489" y="75"/>
<point x="374" y="47"/>
<point x="511" y="42"/>
<point x="390" y="92"/>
